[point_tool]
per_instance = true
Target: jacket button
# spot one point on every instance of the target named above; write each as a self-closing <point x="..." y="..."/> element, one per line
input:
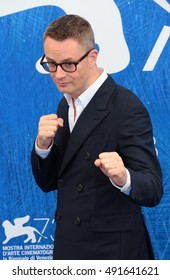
<point x="77" y="221"/>
<point x="87" y="156"/>
<point x="60" y="183"/>
<point x="80" y="188"/>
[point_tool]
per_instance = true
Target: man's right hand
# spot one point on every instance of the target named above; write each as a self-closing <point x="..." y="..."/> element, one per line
<point x="48" y="126"/>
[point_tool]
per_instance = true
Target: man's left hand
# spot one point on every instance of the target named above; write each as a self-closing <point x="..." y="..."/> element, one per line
<point x="113" y="167"/>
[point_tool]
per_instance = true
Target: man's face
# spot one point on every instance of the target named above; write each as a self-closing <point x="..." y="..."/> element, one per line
<point x="70" y="50"/>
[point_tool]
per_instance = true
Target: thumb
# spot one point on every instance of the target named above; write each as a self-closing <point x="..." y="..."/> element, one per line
<point x="97" y="163"/>
<point x="60" y="122"/>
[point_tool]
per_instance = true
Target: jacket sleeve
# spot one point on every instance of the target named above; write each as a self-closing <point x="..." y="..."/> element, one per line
<point x="137" y="149"/>
<point x="44" y="170"/>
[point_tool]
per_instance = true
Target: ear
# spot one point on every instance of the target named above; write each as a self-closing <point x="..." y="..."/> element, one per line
<point x="92" y="57"/>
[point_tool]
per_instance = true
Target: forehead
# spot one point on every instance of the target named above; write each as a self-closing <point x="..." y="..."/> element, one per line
<point x="62" y="49"/>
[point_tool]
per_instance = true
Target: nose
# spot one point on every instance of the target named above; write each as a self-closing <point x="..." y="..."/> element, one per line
<point x="60" y="72"/>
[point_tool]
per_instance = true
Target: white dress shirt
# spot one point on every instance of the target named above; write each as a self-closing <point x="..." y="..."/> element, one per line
<point x="80" y="103"/>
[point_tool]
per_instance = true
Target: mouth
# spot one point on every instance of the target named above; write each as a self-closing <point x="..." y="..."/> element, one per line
<point x="62" y="84"/>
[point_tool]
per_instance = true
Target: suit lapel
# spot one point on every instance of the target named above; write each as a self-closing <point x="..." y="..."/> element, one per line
<point x="92" y="116"/>
<point x="63" y="133"/>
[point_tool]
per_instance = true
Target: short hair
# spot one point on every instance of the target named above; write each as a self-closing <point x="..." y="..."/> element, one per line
<point x="71" y="26"/>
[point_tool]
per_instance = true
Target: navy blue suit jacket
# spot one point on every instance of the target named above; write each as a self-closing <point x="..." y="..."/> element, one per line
<point x="94" y="219"/>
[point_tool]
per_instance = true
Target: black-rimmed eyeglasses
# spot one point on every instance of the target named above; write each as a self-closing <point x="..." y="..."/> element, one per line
<point x="68" y="66"/>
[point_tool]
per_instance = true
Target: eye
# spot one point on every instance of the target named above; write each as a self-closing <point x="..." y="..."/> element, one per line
<point x="68" y="66"/>
<point x="51" y="65"/>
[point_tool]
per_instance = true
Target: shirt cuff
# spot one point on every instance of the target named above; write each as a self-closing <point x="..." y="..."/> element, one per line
<point x="42" y="153"/>
<point x="126" y="189"/>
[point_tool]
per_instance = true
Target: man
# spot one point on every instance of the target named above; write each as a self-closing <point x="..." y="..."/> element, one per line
<point x="98" y="152"/>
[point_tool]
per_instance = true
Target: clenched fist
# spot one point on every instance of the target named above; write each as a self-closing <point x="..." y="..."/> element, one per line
<point x="113" y="167"/>
<point x="47" y="128"/>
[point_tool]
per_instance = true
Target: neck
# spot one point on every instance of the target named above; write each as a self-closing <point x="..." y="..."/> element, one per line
<point x="95" y="74"/>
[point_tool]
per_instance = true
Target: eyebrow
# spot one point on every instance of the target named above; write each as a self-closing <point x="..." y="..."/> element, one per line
<point x="64" y="61"/>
